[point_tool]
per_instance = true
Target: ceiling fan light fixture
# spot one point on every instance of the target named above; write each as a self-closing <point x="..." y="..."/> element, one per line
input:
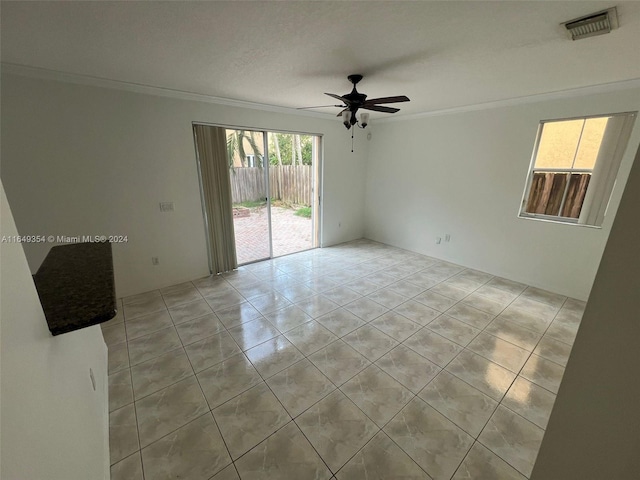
<point x="346" y="119"/>
<point x="593" y="24"/>
<point x="364" y="119"/>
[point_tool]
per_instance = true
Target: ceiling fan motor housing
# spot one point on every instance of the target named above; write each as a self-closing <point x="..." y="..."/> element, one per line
<point x="356" y="99"/>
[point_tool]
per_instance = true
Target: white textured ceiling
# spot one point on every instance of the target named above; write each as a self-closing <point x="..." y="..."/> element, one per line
<point x="441" y="54"/>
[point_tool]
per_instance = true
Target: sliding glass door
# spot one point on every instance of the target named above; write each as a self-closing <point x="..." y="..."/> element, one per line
<point x="292" y="177"/>
<point x="248" y="173"/>
<point x="274" y="184"/>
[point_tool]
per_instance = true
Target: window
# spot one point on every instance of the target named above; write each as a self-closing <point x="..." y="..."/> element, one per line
<point x="574" y="167"/>
<point x="253" y="160"/>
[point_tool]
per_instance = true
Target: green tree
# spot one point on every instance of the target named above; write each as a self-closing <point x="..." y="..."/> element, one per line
<point x="274" y="145"/>
<point x="288" y="148"/>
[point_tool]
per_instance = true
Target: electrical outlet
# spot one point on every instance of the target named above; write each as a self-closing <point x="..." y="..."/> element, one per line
<point x="166" y="206"/>
<point x="447" y="238"/>
<point x="438" y="240"/>
<point x="155" y="261"/>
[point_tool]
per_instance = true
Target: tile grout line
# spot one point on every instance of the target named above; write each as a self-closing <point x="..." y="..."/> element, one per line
<point x="182" y="347"/>
<point x="500" y="403"/>
<point x="337" y="388"/>
<point x="365" y="260"/>
<point x="264" y="380"/>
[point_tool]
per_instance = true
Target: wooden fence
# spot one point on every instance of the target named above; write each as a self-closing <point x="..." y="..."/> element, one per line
<point x="548" y="190"/>
<point x="288" y="183"/>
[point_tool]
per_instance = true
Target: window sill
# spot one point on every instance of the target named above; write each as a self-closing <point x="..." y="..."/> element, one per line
<point x="559" y="222"/>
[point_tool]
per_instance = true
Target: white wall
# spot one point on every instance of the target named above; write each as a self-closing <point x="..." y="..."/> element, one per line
<point x="86" y="160"/>
<point x="594" y="429"/>
<point x="464" y="174"/>
<point x="53" y="425"/>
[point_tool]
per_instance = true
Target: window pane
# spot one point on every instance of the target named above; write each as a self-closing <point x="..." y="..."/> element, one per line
<point x="575" y="195"/>
<point x="558" y="144"/>
<point x="545" y="195"/>
<point x="572" y="156"/>
<point x="590" y="142"/>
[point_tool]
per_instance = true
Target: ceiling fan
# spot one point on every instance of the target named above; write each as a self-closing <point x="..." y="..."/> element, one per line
<point x="354" y="101"/>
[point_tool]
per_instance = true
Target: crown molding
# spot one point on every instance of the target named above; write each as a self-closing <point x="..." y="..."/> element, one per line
<point x="46" y="74"/>
<point x="510" y="102"/>
<point x="43" y="73"/>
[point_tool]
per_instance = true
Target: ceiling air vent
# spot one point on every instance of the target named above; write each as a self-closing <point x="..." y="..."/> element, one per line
<point x="597" y="23"/>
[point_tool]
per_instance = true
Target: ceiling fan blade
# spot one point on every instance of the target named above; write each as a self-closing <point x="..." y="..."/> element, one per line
<point x="320" y="106"/>
<point x="397" y="99"/>
<point x="380" y="108"/>
<point x="338" y="97"/>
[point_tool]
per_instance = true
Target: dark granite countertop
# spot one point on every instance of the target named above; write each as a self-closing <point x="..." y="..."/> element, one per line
<point x="76" y="286"/>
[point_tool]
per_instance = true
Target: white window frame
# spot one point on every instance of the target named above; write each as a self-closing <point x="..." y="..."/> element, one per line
<point x="605" y="171"/>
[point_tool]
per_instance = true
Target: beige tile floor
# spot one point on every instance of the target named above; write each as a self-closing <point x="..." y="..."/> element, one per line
<point x="359" y="361"/>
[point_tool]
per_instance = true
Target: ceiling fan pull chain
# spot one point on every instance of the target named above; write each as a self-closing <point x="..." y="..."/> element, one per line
<point x="352" y="140"/>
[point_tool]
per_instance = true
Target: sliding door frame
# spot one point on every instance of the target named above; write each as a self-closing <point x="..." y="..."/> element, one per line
<point x="265" y="164"/>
